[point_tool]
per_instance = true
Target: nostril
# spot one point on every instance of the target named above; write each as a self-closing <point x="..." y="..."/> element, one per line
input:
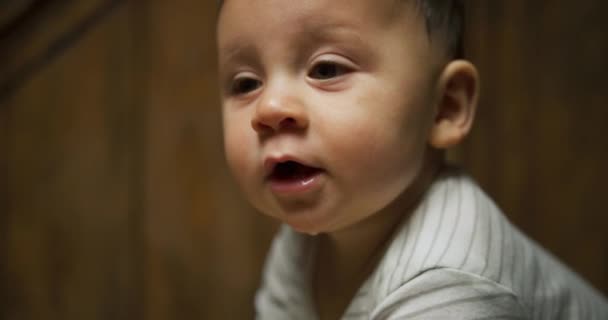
<point x="266" y="127"/>
<point x="287" y="123"/>
<point x="268" y="118"/>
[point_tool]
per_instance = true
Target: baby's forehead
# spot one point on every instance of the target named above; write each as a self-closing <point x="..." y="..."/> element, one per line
<point x="313" y="15"/>
<point x="362" y="11"/>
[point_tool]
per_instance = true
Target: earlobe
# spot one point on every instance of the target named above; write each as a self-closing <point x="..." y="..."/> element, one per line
<point x="458" y="91"/>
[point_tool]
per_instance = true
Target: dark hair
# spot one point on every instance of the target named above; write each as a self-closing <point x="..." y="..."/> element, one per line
<point x="444" y="18"/>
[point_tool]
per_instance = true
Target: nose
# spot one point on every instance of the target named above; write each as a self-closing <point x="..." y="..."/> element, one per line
<point x="278" y="110"/>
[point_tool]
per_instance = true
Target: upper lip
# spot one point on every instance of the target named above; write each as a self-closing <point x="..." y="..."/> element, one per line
<point x="271" y="162"/>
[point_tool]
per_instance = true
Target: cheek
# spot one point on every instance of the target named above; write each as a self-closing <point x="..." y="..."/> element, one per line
<point x="236" y="146"/>
<point x="380" y="155"/>
<point x="380" y="141"/>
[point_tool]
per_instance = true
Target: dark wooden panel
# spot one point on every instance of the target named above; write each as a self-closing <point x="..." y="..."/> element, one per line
<point x="41" y="34"/>
<point x="205" y="245"/>
<point x="539" y="145"/>
<point x="67" y="151"/>
<point x="116" y="202"/>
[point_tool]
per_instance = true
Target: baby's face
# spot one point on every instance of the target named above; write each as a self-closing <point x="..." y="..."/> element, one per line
<point x="327" y="105"/>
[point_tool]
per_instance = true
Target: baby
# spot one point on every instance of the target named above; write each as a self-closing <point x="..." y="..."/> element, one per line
<point x="336" y="117"/>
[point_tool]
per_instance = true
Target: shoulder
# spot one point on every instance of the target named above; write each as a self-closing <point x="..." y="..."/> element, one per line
<point x="447" y="255"/>
<point x="459" y="245"/>
<point x="446" y="293"/>
<point x="455" y="226"/>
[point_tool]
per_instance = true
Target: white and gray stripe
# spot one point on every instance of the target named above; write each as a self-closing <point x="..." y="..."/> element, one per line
<point x="456" y="257"/>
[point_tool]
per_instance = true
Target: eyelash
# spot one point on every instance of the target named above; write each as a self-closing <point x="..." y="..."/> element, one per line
<point x="338" y="70"/>
<point x="244" y="85"/>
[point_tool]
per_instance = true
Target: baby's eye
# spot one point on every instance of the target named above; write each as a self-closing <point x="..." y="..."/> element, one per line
<point x="326" y="70"/>
<point x="244" y="85"/>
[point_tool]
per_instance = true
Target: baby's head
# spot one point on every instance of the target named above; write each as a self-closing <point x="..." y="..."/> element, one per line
<point x="333" y="109"/>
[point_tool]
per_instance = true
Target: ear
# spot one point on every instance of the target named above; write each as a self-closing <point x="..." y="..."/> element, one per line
<point x="458" y="93"/>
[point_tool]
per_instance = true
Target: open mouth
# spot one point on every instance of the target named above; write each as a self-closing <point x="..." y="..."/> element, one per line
<point x="292" y="171"/>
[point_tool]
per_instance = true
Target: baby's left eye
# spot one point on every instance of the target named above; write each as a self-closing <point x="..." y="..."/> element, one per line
<point x="327" y="70"/>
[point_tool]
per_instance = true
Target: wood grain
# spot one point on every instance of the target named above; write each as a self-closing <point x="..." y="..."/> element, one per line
<point x="204" y="244"/>
<point x="67" y="250"/>
<point x="539" y="143"/>
<point x="117" y="203"/>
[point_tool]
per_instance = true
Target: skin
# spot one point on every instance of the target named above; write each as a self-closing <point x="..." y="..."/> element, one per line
<point x="356" y="88"/>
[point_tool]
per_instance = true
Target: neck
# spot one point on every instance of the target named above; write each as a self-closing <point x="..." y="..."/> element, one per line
<point x="356" y="245"/>
<point x="345" y="258"/>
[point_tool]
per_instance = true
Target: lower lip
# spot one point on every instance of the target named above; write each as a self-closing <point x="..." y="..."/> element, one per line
<point x="297" y="186"/>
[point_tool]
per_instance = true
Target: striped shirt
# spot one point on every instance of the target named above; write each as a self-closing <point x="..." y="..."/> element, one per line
<point x="456" y="257"/>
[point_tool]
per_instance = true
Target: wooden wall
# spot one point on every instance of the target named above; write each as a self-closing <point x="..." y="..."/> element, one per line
<point x="115" y="202"/>
<point x="70" y="155"/>
<point x="540" y="143"/>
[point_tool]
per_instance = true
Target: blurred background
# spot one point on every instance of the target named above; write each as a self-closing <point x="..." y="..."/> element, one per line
<point x="115" y="202"/>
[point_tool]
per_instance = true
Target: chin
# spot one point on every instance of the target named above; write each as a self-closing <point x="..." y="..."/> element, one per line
<point x="304" y="224"/>
<point x="305" y="229"/>
<point x="308" y="222"/>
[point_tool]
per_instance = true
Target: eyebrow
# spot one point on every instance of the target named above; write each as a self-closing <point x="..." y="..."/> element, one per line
<point x="346" y="36"/>
<point x="235" y="49"/>
<point x="311" y="33"/>
<point x="321" y="32"/>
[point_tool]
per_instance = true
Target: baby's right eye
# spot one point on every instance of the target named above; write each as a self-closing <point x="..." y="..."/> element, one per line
<point x="244" y="85"/>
